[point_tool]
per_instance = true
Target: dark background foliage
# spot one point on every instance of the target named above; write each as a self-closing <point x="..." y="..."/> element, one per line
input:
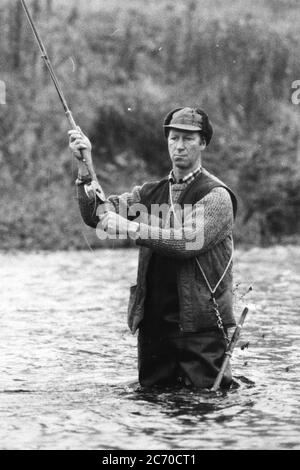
<point x="123" y="67"/>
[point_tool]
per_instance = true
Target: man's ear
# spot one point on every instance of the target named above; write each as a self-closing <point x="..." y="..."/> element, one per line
<point x="202" y="142"/>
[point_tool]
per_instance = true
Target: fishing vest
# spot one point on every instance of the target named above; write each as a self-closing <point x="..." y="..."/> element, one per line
<point x="195" y="305"/>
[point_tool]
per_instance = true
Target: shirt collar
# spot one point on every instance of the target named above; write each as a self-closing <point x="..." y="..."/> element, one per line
<point x="186" y="179"/>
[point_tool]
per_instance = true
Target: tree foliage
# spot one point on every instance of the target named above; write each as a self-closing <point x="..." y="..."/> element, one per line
<point x="122" y="70"/>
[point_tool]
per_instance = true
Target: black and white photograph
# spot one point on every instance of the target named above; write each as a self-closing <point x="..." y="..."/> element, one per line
<point x="149" y="228"/>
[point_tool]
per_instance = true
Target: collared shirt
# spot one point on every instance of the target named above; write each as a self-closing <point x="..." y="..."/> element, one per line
<point x="186" y="179"/>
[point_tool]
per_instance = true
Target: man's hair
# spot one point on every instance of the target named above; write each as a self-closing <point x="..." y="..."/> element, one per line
<point x="207" y="129"/>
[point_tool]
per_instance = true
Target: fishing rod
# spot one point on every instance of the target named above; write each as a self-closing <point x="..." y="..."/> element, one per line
<point x="95" y="184"/>
<point x="229" y="350"/>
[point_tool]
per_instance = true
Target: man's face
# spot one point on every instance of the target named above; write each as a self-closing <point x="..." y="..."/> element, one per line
<point x="185" y="149"/>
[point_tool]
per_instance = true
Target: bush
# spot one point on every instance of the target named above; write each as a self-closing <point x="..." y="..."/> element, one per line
<point x="122" y="70"/>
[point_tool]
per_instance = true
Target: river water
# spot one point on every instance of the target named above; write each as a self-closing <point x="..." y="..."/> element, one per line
<point x="68" y="362"/>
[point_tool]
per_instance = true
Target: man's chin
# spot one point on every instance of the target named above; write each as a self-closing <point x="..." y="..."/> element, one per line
<point x="181" y="164"/>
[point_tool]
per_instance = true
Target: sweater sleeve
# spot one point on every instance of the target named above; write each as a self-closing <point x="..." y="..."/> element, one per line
<point x="209" y="222"/>
<point x="89" y="203"/>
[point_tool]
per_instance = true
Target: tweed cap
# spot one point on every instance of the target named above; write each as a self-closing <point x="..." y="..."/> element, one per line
<point x="189" y="119"/>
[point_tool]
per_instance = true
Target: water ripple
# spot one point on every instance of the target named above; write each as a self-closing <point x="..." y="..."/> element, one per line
<point x="68" y="363"/>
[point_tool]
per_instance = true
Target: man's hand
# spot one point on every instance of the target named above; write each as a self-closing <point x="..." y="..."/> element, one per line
<point x="114" y="224"/>
<point x="80" y="145"/>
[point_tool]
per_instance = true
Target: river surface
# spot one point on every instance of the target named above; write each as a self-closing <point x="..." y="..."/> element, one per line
<point x="68" y="362"/>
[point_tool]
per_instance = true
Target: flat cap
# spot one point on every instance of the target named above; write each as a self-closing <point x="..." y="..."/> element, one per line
<point x="189" y="119"/>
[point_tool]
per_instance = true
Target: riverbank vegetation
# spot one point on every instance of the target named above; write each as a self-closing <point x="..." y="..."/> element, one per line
<point x="122" y="69"/>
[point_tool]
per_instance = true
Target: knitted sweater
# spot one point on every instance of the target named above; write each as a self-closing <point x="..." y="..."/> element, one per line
<point x="214" y="210"/>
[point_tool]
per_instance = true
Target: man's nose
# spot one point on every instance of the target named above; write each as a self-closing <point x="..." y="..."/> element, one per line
<point x="180" y="144"/>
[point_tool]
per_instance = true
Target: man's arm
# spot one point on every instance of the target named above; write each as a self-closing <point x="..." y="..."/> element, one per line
<point x="210" y="222"/>
<point x="90" y="205"/>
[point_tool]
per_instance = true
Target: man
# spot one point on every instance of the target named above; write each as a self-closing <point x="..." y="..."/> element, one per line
<point x="182" y="303"/>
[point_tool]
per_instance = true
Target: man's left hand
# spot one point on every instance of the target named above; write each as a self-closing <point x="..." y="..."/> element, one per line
<point x="114" y="224"/>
